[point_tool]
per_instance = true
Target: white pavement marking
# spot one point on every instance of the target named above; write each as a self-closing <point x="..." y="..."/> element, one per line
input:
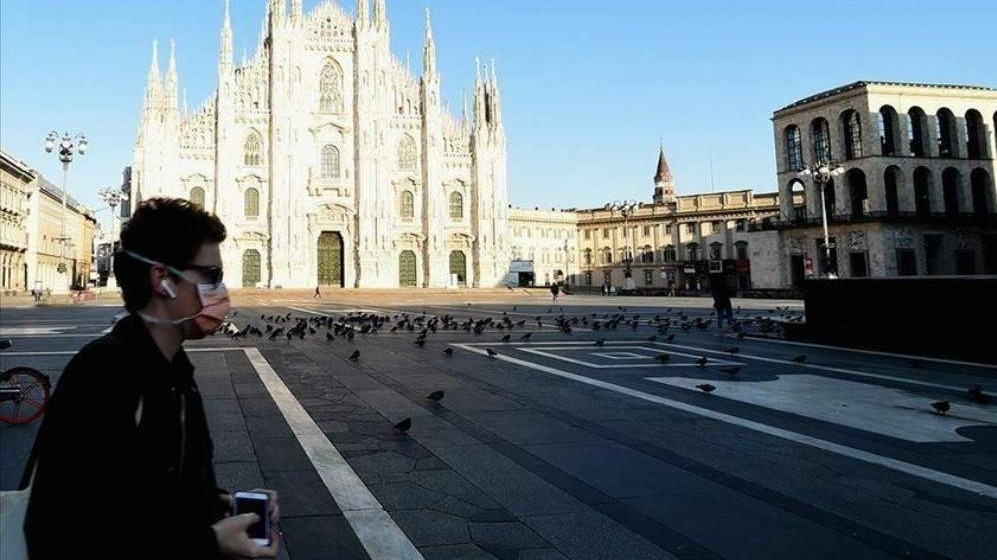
<point x="380" y="536"/>
<point x="545" y="351"/>
<point x="851" y="452"/>
<point x="874" y="352"/>
<point x="52" y="353"/>
<point x="820" y="367"/>
<point x="60" y="335"/>
<point x="15" y="331"/>
<point x="872" y="408"/>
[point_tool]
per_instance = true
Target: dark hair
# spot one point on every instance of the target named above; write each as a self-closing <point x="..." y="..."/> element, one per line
<point x="167" y="230"/>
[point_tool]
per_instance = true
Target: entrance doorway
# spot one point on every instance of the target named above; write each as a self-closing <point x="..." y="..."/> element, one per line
<point x="458" y="266"/>
<point x="797" y="270"/>
<point x="406" y="269"/>
<point x="330" y="259"/>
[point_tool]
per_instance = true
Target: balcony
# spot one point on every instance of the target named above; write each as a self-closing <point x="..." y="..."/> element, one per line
<point x="934" y="218"/>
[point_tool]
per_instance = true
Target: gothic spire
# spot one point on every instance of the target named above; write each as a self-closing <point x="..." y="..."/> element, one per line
<point x="296" y="12"/>
<point x="380" y="16"/>
<point x="363" y="14"/>
<point x="278" y="9"/>
<point x="663" y="174"/>
<point x="429" y="49"/>
<point x="153" y="79"/>
<point x="225" y="58"/>
<point x="171" y="76"/>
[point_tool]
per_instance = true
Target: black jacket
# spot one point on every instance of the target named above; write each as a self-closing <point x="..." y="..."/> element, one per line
<point x="108" y="487"/>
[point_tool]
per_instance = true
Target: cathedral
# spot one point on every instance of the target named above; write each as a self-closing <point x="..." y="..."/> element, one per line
<point x="330" y="162"/>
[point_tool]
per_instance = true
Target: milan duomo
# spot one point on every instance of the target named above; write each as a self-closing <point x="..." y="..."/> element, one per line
<point x="330" y="162"/>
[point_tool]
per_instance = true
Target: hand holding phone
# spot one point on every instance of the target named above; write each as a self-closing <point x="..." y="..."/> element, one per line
<point x="258" y="503"/>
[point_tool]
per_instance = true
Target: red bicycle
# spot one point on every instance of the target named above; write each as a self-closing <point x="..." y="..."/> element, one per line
<point x="24" y="392"/>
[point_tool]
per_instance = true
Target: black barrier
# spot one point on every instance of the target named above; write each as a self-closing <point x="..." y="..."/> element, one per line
<point x="954" y="317"/>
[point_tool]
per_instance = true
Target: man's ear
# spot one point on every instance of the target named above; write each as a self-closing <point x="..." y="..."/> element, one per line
<point x="159" y="280"/>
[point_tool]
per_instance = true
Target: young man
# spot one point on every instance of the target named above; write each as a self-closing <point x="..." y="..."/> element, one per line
<point x="124" y="457"/>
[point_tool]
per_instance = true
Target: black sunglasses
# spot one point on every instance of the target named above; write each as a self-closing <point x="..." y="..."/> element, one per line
<point x="212" y="273"/>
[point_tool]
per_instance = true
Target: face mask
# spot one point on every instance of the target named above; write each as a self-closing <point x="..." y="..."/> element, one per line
<point x="214" y="298"/>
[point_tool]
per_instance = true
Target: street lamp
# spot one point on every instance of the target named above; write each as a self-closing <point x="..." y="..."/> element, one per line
<point x="823" y="173"/>
<point x="68" y="146"/>
<point x="112" y="197"/>
<point x="626" y="209"/>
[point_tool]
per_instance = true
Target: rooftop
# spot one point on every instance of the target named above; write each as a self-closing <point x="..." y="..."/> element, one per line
<point x="865" y="83"/>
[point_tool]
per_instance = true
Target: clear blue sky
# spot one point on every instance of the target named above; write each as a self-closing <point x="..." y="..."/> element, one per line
<point x="589" y="86"/>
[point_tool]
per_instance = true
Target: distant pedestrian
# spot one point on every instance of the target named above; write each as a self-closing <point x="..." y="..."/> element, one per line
<point x="125" y="435"/>
<point x="555" y="289"/>
<point x="671" y="288"/>
<point x="721" y="299"/>
<point x="317" y="293"/>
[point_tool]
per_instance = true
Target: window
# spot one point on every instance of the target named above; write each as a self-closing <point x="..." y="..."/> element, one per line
<point x="906" y="262"/>
<point x="980" y="186"/>
<point x="946" y="133"/>
<point x="950" y="190"/>
<point x="692" y="251"/>
<point x="330" y="88"/>
<point x="456" y="206"/>
<point x="976" y="137"/>
<point x="605" y="233"/>
<point x="852" y="128"/>
<point x="858" y="264"/>
<point x="588" y="278"/>
<point x="891" y="185"/>
<point x="588" y="234"/>
<point x="715" y="227"/>
<point x="690" y="228"/>
<point x="922" y="191"/>
<point x="716" y="251"/>
<point x="648" y="277"/>
<point x="669" y="254"/>
<point x="647" y="255"/>
<point x="408" y="204"/>
<point x="741" y="250"/>
<point x="607" y="256"/>
<point x="794" y="148"/>
<point x="647" y="231"/>
<point x="407" y="154"/>
<point x="917" y="132"/>
<point x="330" y="162"/>
<point x="588" y="256"/>
<point x="251" y="203"/>
<point x="740" y="225"/>
<point x="197" y="196"/>
<point x="821" y="134"/>
<point x="932" y="254"/>
<point x="252" y="149"/>
<point x="886" y="125"/>
<point x="668" y="229"/>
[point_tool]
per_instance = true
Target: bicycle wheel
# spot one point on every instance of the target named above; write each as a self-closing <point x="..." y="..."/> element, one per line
<point x="33" y="390"/>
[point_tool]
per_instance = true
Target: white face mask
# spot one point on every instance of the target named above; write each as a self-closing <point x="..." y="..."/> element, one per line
<point x="214" y="300"/>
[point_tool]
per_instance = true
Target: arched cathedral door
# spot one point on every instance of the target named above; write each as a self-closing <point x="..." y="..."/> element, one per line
<point x="406" y="269"/>
<point x="330" y="259"/>
<point x="458" y="266"/>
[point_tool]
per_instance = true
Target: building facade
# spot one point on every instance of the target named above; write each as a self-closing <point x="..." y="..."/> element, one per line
<point x="330" y="162"/>
<point x="916" y="193"/>
<point x="45" y="248"/>
<point x="673" y="241"/>
<point x="543" y="247"/>
<point x="15" y="185"/>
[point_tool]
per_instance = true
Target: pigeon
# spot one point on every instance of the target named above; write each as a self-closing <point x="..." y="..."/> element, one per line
<point x="448" y="352"/>
<point x="800" y="359"/>
<point x="420" y="342"/>
<point x="733" y="350"/>
<point x="701" y="362"/>
<point x="741" y="336"/>
<point x="404" y="425"/>
<point x="355" y="356"/>
<point x="976" y="393"/>
<point x="706" y="388"/>
<point x="663" y="357"/>
<point x="506" y="338"/>
<point x="491" y="353"/>
<point x="436" y="396"/>
<point x="670" y="338"/>
<point x="652" y="338"/>
<point x="328" y="336"/>
<point x="526" y="336"/>
<point x="941" y="407"/>
<point x="731" y="371"/>
<point x="600" y="342"/>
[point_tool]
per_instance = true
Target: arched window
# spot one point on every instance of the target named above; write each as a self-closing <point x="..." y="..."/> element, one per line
<point x="330" y="162"/>
<point x="946" y="133"/>
<point x="407" y="204"/>
<point x="588" y="256"/>
<point x="607" y="255"/>
<point x="950" y="190"/>
<point x="922" y="191"/>
<point x="668" y="254"/>
<point x="917" y="132"/>
<point x="250" y="268"/>
<point x="794" y="148"/>
<point x="251" y="203"/>
<point x="891" y="184"/>
<point x="330" y="88"/>
<point x="407" y="154"/>
<point x="456" y="206"/>
<point x="741" y="250"/>
<point x="830" y="198"/>
<point x="197" y="196"/>
<point x="886" y="124"/>
<point x="253" y="150"/>
<point x="976" y="136"/>
<point x="716" y="251"/>
<point x="980" y="181"/>
<point x="821" y="134"/>
<point x="798" y="195"/>
<point x="851" y="128"/>
<point x="647" y="254"/>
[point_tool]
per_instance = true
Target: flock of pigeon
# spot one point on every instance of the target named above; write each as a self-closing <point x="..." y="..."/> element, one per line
<point x="348" y="326"/>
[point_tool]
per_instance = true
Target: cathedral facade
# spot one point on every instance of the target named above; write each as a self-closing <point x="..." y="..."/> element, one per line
<point x="330" y="162"/>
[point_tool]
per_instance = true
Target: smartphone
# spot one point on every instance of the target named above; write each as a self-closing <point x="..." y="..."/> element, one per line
<point x="258" y="503"/>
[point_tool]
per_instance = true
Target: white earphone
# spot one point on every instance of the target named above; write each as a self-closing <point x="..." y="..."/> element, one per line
<point x="168" y="288"/>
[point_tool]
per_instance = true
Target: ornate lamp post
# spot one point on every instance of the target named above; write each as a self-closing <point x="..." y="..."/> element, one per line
<point x="626" y="209"/>
<point x="112" y="197"/>
<point x="823" y="172"/>
<point x="68" y="146"/>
